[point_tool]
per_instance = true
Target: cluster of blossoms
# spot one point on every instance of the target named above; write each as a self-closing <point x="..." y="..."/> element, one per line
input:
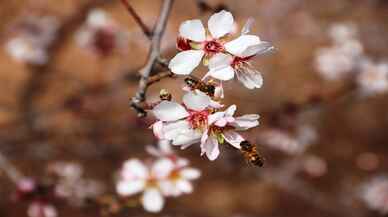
<point x="101" y="33"/>
<point x="375" y="194"/>
<point x="346" y="57"/>
<point x="200" y="118"/>
<point x="32" y="37"/>
<point x="166" y="176"/>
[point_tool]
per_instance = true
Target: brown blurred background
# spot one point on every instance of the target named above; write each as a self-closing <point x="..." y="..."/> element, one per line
<point x="75" y="107"/>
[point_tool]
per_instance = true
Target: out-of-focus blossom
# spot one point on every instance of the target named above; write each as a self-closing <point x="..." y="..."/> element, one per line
<point x="315" y="166"/>
<point x="41" y="209"/>
<point x="33" y="36"/>
<point x="101" y="33"/>
<point x="224" y="58"/>
<point x="375" y="194"/>
<point x="290" y="143"/>
<point x="343" y="57"/>
<point x="165" y="177"/>
<point x="373" y="78"/>
<point x="71" y="185"/>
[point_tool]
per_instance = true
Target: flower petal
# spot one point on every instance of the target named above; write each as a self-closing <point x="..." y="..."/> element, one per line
<point x="211" y="148"/>
<point x="220" y="24"/>
<point x="184" y="186"/>
<point x="193" y="30"/>
<point x="162" y="168"/>
<point x="169" y="111"/>
<point x="219" y="67"/>
<point x="186" y="61"/>
<point x="190" y="173"/>
<point x="215" y="117"/>
<point x="246" y="45"/>
<point x="173" y="129"/>
<point x="230" y="110"/>
<point x="128" y="188"/>
<point x="246" y="121"/>
<point x="152" y="200"/>
<point x="187" y="138"/>
<point x="134" y="169"/>
<point x="157" y="129"/>
<point x="233" y="138"/>
<point x="196" y="100"/>
<point x="250" y="78"/>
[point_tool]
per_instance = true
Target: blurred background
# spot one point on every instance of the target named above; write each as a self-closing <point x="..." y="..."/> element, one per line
<point x="68" y="69"/>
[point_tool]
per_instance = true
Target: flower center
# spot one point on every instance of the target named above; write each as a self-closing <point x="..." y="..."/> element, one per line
<point x="198" y="119"/>
<point x="213" y="46"/>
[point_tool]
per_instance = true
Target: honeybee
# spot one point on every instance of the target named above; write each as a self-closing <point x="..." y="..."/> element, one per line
<point x="195" y="83"/>
<point x="251" y="154"/>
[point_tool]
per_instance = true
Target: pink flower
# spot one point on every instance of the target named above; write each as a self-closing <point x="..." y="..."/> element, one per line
<point x="373" y="78"/>
<point x="41" y="209"/>
<point x="375" y="194"/>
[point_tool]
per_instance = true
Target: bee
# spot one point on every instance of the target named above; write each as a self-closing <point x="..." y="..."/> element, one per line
<point x="251" y="154"/>
<point x="195" y="83"/>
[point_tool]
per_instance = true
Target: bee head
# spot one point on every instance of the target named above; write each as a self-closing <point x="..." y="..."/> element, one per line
<point x="245" y="145"/>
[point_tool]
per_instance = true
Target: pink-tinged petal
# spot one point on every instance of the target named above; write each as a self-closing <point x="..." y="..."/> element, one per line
<point x="169" y="111"/>
<point x="128" y="188"/>
<point x="220" y="24"/>
<point x="215" y="104"/>
<point x="219" y="91"/>
<point x="162" y="168"/>
<point x="246" y="121"/>
<point x="184" y="186"/>
<point x="221" y="122"/>
<point x="193" y="30"/>
<point x="220" y="67"/>
<point x="152" y="200"/>
<point x="186" y="61"/>
<point x="190" y="173"/>
<point x="215" y="117"/>
<point x="245" y="46"/>
<point x="168" y="188"/>
<point x="230" y="110"/>
<point x="196" y="100"/>
<point x="134" y="169"/>
<point x="157" y="129"/>
<point x="211" y="148"/>
<point x="250" y="78"/>
<point x="233" y="138"/>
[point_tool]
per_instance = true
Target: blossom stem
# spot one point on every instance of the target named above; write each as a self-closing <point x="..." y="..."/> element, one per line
<point x="137" y="19"/>
<point x="153" y="57"/>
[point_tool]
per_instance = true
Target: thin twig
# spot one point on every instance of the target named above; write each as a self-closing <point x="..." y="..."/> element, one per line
<point x="137" y="18"/>
<point x="153" y="57"/>
<point x="10" y="170"/>
<point x="155" y="78"/>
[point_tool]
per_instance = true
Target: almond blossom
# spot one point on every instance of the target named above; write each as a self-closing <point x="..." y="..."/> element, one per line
<point x="183" y="124"/>
<point x="375" y="194"/>
<point x="222" y="126"/>
<point x="195" y="43"/>
<point x="200" y="123"/>
<point x="164" y="178"/>
<point x="136" y="177"/>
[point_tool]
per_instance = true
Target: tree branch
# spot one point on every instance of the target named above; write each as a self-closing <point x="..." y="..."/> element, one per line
<point x="137" y="18"/>
<point x="153" y="57"/>
<point x="10" y="170"/>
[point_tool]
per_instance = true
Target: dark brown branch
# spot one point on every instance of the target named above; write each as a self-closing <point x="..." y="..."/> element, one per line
<point x="155" y="78"/>
<point x="137" y="18"/>
<point x="153" y="57"/>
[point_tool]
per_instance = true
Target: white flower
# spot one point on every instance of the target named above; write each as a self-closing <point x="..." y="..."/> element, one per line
<point x="180" y="124"/>
<point x="375" y="194"/>
<point x="137" y="177"/>
<point x="373" y="78"/>
<point x="33" y="36"/>
<point x="179" y="181"/>
<point x="222" y="126"/>
<point x="195" y="44"/>
<point x="101" y="33"/>
<point x="342" y="32"/>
